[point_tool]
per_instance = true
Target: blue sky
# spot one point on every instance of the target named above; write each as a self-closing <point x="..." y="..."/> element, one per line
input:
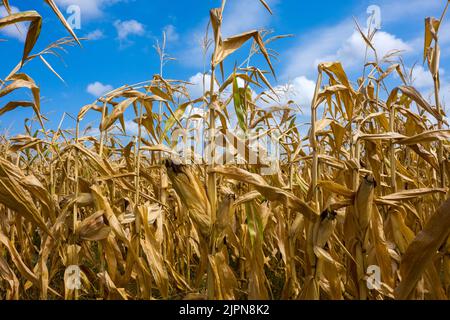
<point x="123" y="33"/>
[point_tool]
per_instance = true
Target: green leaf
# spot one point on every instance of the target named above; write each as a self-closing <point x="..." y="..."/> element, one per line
<point x="239" y="105"/>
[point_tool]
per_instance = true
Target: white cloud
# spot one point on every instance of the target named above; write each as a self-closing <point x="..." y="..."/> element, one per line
<point x="196" y="87"/>
<point x="422" y="77"/>
<point x="445" y="97"/>
<point x="89" y="8"/>
<point x="98" y="89"/>
<point x="17" y="31"/>
<point x="338" y="43"/>
<point x="128" y="28"/>
<point x="353" y="50"/>
<point x="95" y="35"/>
<point x="444" y="40"/>
<point x="131" y="127"/>
<point x="302" y="58"/>
<point x="342" y="42"/>
<point x="444" y="93"/>
<point x="300" y="90"/>
<point x="423" y="81"/>
<point x="190" y="110"/>
<point x="171" y="33"/>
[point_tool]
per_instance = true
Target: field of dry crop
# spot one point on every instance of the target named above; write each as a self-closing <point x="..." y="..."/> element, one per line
<point x="365" y="189"/>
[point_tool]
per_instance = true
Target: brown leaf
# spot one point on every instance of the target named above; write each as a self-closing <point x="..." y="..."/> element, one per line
<point x="422" y="250"/>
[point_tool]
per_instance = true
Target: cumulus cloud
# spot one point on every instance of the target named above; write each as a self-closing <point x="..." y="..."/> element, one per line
<point x="300" y="91"/>
<point x="98" y="89"/>
<point x="128" y="28"/>
<point x="353" y="50"/>
<point x="422" y="77"/>
<point x="131" y="127"/>
<point x="17" y="31"/>
<point x="196" y="87"/>
<point x="301" y="59"/>
<point x="97" y="34"/>
<point x="339" y="43"/>
<point x="200" y="113"/>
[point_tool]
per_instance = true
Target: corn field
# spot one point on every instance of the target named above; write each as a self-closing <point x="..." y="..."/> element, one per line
<point x="366" y="187"/>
